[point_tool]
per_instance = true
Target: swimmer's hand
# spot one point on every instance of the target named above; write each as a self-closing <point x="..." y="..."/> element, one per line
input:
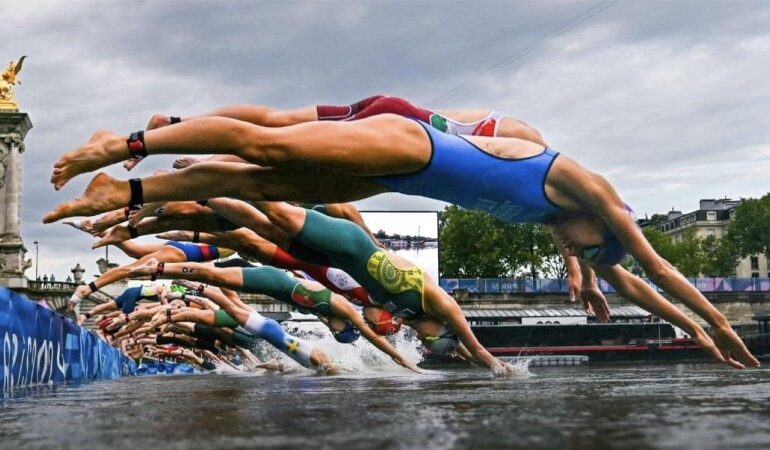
<point x="408" y="365"/>
<point x="732" y="349"/>
<point x="328" y="369"/>
<point x="186" y="283"/>
<point x="574" y="284"/>
<point x="595" y="302"/>
<point x="501" y="369"/>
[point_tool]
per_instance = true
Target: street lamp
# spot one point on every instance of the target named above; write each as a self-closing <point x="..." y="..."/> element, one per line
<point x="36" y="258"/>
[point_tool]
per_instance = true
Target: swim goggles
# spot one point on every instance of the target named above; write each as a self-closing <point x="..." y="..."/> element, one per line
<point x="591" y="252"/>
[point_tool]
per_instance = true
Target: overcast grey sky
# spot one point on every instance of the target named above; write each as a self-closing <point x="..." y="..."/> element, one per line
<point x="669" y="100"/>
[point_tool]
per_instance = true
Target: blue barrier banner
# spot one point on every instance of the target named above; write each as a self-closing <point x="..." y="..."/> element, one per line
<point x="40" y="346"/>
<point x="560" y="285"/>
<point x="162" y="367"/>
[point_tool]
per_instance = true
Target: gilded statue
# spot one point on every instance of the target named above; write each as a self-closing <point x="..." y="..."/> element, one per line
<point x="7" y="81"/>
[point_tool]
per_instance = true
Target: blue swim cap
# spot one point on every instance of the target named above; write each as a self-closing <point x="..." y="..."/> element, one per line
<point x="347" y="335"/>
<point x="612" y="252"/>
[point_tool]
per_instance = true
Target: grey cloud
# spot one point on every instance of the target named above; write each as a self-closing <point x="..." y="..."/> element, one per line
<point x="668" y="100"/>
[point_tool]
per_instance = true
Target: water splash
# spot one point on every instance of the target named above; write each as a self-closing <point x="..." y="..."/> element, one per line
<point x="518" y="368"/>
<point x="358" y="357"/>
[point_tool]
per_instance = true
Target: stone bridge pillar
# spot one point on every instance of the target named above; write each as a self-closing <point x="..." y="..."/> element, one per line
<point x="14" y="126"/>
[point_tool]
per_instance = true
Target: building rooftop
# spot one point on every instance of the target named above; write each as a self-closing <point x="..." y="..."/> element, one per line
<point x="620" y="311"/>
<point x="711" y="210"/>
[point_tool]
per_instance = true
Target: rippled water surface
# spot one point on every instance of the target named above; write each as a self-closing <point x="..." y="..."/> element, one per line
<point x="629" y="407"/>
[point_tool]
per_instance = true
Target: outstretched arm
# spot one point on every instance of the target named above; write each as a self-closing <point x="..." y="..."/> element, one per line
<point x="342" y="308"/>
<point x="592" y="297"/>
<point x="230" y="277"/>
<point x="672" y="281"/>
<point x="583" y="285"/>
<point x="595" y="193"/>
<point x="444" y="307"/>
<point x="639" y="292"/>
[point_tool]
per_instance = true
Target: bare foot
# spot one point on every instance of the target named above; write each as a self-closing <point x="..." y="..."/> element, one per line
<point x="131" y="163"/>
<point x="82" y="291"/>
<point x="104" y="148"/>
<point x="186" y="161"/>
<point x="176" y="235"/>
<point x="103" y="193"/>
<point x="106" y="221"/>
<point x="115" y="235"/>
<point x="148" y="268"/>
<point x="157" y="121"/>
<point x="82" y="225"/>
<point x="135" y="216"/>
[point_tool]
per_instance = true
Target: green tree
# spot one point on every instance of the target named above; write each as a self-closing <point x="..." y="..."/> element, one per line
<point x="695" y="256"/>
<point x="475" y="244"/>
<point x="470" y="245"/>
<point x="656" y="219"/>
<point x="661" y="243"/>
<point x="750" y="228"/>
<point x="720" y="256"/>
<point x="537" y="251"/>
<point x="687" y="255"/>
<point x="690" y="258"/>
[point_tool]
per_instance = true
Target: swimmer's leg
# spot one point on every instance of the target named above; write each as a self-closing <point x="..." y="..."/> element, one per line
<point x="208" y="180"/>
<point x="154" y="225"/>
<point x="305" y="353"/>
<point x="254" y="114"/>
<point x="392" y="105"/>
<point x="246" y="215"/>
<point x="381" y="145"/>
<point x="351" y="244"/>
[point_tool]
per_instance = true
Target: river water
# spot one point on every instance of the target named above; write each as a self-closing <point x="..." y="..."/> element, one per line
<point x="426" y="258"/>
<point x="704" y="406"/>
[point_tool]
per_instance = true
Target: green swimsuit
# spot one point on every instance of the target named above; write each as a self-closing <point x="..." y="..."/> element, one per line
<point x="349" y="248"/>
<point x="282" y="287"/>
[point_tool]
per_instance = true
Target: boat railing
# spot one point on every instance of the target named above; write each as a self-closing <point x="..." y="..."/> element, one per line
<point x="756" y="340"/>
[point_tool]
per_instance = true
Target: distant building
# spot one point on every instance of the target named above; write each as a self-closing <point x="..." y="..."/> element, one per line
<point x="712" y="219"/>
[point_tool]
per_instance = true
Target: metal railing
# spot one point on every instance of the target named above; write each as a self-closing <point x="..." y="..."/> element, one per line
<point x="63" y="287"/>
<point x="56" y="286"/>
<point x="560" y="285"/>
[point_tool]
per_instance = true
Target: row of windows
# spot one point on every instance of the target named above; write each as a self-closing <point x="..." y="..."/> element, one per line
<point x="711" y="216"/>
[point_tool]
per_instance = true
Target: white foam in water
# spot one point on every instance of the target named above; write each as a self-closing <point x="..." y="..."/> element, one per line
<point x="519" y="369"/>
<point x="358" y="357"/>
<point x="362" y="357"/>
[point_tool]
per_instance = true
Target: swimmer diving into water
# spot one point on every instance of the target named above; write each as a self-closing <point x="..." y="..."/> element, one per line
<point x="513" y="179"/>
